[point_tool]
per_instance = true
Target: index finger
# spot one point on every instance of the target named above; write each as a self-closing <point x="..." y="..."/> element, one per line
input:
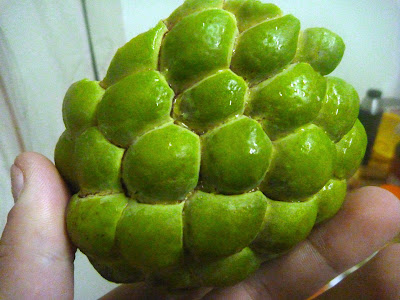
<point x="369" y="219"/>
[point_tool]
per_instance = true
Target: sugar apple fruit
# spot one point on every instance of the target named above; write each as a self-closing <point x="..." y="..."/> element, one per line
<point x="214" y="143"/>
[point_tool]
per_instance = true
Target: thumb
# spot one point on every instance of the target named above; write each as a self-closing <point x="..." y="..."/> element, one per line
<point x="36" y="258"/>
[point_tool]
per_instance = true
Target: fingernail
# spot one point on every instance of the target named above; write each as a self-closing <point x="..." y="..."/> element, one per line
<point x="17" y="181"/>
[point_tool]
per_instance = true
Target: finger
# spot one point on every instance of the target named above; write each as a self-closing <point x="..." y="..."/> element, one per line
<point x="378" y="279"/>
<point x="144" y="291"/>
<point x="36" y="258"/>
<point x="369" y="219"/>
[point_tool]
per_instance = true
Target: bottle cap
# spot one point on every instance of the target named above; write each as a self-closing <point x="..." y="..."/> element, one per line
<point x="374" y="93"/>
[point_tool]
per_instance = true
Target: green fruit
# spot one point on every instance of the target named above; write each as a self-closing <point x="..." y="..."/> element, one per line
<point x="197" y="107"/>
<point x="200" y="44"/>
<point x="309" y="152"/>
<point x="134" y="105"/>
<point x="214" y="143"/>
<point x="150" y="236"/>
<point x="237" y="217"/>
<point x="266" y="48"/>
<point x="288" y="100"/>
<point x="321" y="48"/>
<point x="163" y="165"/>
<point x="236" y="156"/>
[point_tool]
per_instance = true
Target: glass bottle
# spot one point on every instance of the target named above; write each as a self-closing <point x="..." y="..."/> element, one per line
<point x="370" y="115"/>
<point x="394" y="176"/>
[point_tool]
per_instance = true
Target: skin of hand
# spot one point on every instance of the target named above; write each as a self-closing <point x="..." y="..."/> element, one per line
<point x="36" y="257"/>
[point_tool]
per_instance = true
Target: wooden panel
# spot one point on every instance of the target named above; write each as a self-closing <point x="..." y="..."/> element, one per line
<point x="107" y="31"/>
<point x="44" y="49"/>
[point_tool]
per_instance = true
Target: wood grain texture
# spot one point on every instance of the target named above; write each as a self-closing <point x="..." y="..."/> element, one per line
<point x="43" y="50"/>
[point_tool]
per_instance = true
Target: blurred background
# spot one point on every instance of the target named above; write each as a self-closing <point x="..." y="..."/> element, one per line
<point x="46" y="45"/>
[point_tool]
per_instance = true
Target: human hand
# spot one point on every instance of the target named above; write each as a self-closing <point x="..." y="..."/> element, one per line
<point x="36" y="257"/>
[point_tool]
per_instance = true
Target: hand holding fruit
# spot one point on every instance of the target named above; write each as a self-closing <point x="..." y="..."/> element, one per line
<point x="36" y="257"/>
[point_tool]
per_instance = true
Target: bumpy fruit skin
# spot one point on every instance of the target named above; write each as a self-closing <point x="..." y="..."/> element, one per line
<point x="214" y="143"/>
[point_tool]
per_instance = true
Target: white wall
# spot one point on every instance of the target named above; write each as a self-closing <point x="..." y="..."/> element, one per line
<point x="370" y="29"/>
